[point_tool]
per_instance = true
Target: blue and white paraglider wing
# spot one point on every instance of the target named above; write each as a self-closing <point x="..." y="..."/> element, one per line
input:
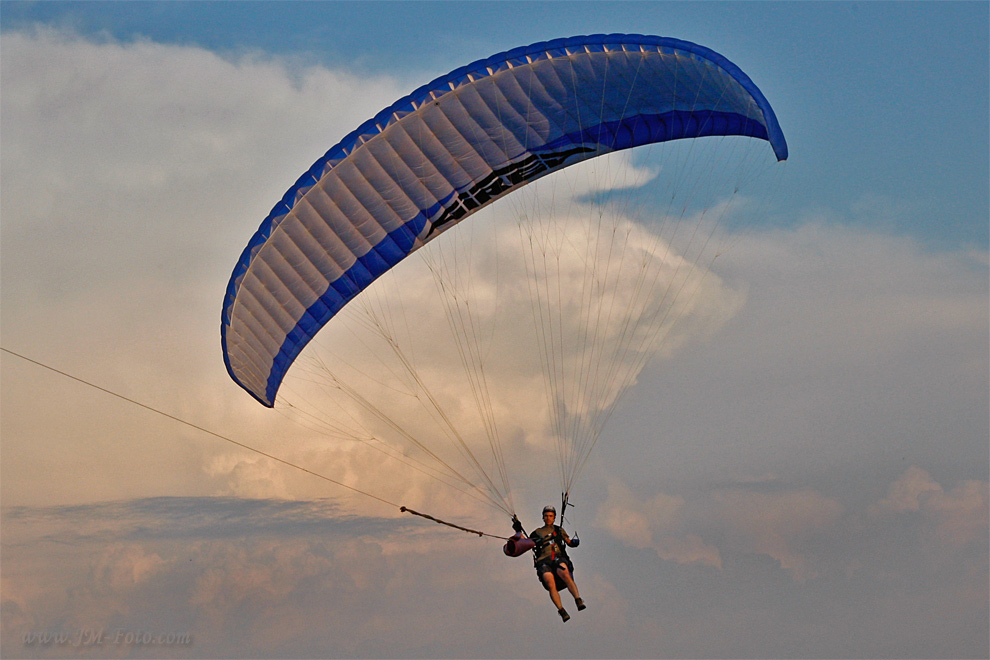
<point x="451" y="147"/>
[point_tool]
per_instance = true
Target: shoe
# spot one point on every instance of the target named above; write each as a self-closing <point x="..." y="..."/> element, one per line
<point x="580" y="604"/>
<point x="565" y="617"/>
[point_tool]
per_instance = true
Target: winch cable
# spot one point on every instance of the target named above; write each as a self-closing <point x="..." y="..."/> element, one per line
<point x="242" y="445"/>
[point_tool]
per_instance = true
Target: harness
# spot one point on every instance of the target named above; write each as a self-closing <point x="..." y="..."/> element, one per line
<point x="555" y="537"/>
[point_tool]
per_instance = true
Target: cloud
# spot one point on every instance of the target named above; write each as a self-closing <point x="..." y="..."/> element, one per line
<point x="850" y="343"/>
<point x="284" y="578"/>
<point x="123" y="567"/>
<point x="132" y="176"/>
<point x="144" y="153"/>
<point x="273" y="578"/>
<point x="959" y="516"/>
<point x="657" y="523"/>
<point x="780" y="525"/>
<point x="903" y="495"/>
<point x="196" y="565"/>
<point x="807" y="533"/>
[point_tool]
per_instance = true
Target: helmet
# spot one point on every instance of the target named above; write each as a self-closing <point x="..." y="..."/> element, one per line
<point x="550" y="508"/>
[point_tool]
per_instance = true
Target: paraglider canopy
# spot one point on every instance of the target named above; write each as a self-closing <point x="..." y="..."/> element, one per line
<point x="451" y="147"/>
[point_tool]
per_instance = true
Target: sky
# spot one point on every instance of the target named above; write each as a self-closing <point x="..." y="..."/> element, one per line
<point x="804" y="473"/>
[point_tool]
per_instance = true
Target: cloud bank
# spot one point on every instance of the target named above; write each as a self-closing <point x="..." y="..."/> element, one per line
<point x="276" y="578"/>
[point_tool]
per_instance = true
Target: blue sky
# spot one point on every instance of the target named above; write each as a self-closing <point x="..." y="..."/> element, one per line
<point x="815" y="441"/>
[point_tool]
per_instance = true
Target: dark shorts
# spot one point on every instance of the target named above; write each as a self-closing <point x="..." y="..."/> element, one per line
<point x="550" y="566"/>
